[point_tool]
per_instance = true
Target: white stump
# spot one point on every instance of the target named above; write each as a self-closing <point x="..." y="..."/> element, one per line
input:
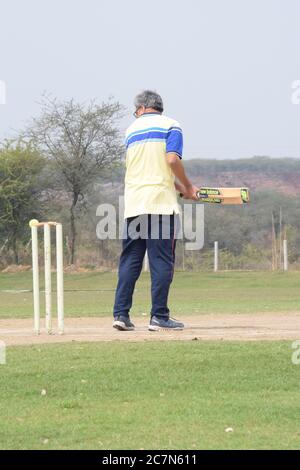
<point x="216" y="257"/>
<point x="60" y="278"/>
<point x="146" y="262"/>
<point x="35" y="277"/>
<point x="285" y="256"/>
<point x="47" y="262"/>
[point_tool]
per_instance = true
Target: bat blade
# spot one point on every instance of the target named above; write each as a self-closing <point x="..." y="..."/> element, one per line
<point x="224" y="195"/>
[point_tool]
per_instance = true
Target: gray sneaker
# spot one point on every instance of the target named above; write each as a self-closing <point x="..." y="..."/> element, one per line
<point x="123" y="323"/>
<point x="157" y="324"/>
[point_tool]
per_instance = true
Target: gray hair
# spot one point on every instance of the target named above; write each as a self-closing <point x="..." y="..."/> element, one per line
<point x="149" y="99"/>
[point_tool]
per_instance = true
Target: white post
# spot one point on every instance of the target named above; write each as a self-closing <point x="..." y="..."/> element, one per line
<point x="285" y="256"/>
<point x="146" y="262"/>
<point x="216" y="258"/>
<point x="47" y="262"/>
<point x="60" y="278"/>
<point x="35" y="277"/>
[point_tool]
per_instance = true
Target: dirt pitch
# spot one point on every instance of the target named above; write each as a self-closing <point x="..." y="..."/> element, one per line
<point x="215" y="327"/>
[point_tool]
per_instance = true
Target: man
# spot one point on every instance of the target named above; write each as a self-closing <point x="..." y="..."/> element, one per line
<point x="153" y="160"/>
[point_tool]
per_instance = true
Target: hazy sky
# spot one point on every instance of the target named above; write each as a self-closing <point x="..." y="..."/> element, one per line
<point x="223" y="67"/>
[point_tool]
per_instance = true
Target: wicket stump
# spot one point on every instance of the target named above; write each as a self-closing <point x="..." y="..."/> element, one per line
<point x="34" y="224"/>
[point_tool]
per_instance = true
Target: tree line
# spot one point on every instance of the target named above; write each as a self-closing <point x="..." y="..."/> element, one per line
<point x="52" y="166"/>
<point x="69" y="159"/>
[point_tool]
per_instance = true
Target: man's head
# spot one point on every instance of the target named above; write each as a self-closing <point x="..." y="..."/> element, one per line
<point x="148" y="101"/>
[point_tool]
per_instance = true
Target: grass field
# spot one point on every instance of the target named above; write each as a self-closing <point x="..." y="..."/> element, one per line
<point x="176" y="395"/>
<point x="192" y="293"/>
<point x="158" y="395"/>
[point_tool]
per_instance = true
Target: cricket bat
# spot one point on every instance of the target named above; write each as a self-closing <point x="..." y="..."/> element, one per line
<point x="223" y="195"/>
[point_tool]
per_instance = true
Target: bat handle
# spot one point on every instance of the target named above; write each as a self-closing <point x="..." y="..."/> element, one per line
<point x="197" y="193"/>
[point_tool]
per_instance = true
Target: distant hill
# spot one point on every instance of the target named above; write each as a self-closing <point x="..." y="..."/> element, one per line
<point x="257" y="173"/>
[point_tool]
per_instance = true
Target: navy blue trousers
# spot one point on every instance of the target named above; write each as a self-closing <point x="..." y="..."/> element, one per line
<point x="157" y="236"/>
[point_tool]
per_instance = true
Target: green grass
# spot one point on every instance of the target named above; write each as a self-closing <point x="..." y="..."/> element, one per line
<point x="191" y="293"/>
<point x="175" y="395"/>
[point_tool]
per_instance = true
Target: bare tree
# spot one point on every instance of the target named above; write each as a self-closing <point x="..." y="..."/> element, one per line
<point x="82" y="142"/>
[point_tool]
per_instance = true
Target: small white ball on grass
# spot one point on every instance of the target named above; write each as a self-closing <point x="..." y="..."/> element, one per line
<point x="229" y="430"/>
<point x="33" y="222"/>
